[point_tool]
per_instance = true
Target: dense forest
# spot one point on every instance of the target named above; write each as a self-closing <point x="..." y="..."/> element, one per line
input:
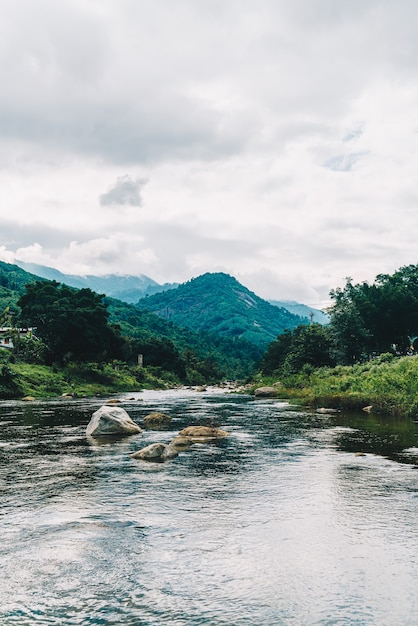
<point x="78" y="325"/>
<point x="366" y="320"/>
<point x="369" y="323"/>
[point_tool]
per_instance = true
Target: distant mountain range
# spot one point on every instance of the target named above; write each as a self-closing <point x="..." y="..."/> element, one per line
<point x="303" y="310"/>
<point x="131" y="289"/>
<point x="120" y="286"/>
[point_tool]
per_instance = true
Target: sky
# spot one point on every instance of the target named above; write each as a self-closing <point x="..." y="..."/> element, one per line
<point x="275" y="140"/>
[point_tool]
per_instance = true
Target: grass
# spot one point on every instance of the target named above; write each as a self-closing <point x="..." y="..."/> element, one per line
<point x="387" y="383"/>
<point x="84" y="380"/>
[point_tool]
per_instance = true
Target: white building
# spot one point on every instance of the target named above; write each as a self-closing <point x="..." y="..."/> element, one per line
<point x="6" y="334"/>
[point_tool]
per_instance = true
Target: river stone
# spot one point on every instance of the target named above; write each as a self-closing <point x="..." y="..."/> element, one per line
<point x="157" y="419"/>
<point x="156" y="452"/>
<point x="181" y="442"/>
<point x="203" y="432"/>
<point x="265" y="392"/>
<point x="111" y="420"/>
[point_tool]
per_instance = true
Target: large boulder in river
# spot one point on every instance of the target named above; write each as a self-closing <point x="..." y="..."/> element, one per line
<point x="156" y="452"/>
<point x="156" y="420"/>
<point x="111" y="420"/>
<point x="266" y="392"/>
<point x="203" y="432"/>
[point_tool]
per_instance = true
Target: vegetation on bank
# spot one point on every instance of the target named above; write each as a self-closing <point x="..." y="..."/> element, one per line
<point x="20" y="380"/>
<point x="388" y="384"/>
<point x="86" y="344"/>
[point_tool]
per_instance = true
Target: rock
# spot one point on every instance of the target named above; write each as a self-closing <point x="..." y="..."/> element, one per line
<point x="265" y="392"/>
<point x="157" y="419"/>
<point x="28" y="399"/>
<point x="113" y="401"/>
<point x="111" y="420"/>
<point x="181" y="442"/>
<point x="156" y="452"/>
<point x="360" y="454"/>
<point x="324" y="409"/>
<point x="203" y="432"/>
<point x="368" y="409"/>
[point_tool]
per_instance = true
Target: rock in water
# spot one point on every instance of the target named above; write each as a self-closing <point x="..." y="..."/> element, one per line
<point x="156" y="419"/>
<point x="182" y="443"/>
<point x="203" y="432"/>
<point x="111" y="420"/>
<point x="156" y="452"/>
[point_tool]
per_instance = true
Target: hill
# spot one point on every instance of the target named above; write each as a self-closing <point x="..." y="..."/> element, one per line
<point x="218" y="303"/>
<point x="152" y="335"/>
<point x="303" y="310"/>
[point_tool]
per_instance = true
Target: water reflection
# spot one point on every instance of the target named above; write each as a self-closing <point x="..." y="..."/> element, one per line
<point x="279" y="523"/>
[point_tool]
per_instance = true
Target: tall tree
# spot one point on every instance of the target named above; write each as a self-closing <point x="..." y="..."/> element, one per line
<point x="72" y="323"/>
<point x="381" y="317"/>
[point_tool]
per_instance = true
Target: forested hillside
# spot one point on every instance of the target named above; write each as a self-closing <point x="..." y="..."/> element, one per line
<point x="220" y="304"/>
<point x="193" y="357"/>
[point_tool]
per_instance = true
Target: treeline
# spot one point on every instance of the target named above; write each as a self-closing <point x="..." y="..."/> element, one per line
<point x="366" y="320"/>
<point x="80" y="326"/>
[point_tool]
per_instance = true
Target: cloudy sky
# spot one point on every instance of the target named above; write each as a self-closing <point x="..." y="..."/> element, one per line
<point x="276" y="140"/>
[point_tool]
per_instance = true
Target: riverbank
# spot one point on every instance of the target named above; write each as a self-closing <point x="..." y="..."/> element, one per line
<point x="387" y="384"/>
<point x="19" y="380"/>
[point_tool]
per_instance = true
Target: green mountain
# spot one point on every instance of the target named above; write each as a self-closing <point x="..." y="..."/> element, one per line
<point x="151" y="335"/>
<point x="219" y="304"/>
<point x="12" y="285"/>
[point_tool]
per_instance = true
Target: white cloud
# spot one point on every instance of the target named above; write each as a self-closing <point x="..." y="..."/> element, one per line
<point x="279" y="139"/>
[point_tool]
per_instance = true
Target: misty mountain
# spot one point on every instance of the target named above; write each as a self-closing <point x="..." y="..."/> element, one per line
<point x="303" y="310"/>
<point x="120" y="286"/>
<point x="218" y="303"/>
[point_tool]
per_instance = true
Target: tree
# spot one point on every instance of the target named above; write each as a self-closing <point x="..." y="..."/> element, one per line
<point x="305" y="345"/>
<point x="373" y="319"/>
<point x="72" y="323"/>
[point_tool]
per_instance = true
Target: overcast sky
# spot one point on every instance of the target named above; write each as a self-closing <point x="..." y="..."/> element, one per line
<point x="275" y="140"/>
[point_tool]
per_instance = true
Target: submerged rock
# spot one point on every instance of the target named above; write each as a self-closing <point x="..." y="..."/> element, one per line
<point x="157" y="419"/>
<point x="203" y="432"/>
<point x="111" y="420"/>
<point x="181" y="442"/>
<point x="156" y="452"/>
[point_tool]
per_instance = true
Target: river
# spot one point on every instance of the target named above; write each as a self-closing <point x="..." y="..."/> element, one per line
<point x="281" y="523"/>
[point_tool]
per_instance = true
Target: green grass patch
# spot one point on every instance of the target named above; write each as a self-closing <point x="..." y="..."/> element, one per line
<point x="387" y="383"/>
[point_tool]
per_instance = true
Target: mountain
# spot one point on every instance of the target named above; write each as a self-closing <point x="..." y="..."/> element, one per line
<point x="218" y="303"/>
<point x="302" y="310"/>
<point x="148" y="333"/>
<point x="12" y="285"/>
<point x="120" y="286"/>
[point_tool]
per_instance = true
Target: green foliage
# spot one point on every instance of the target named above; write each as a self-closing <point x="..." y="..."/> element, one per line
<point x="219" y="304"/>
<point x="9" y="384"/>
<point x="387" y="383"/>
<point x="230" y="357"/>
<point x="370" y="319"/>
<point x="72" y="323"/>
<point x="294" y="350"/>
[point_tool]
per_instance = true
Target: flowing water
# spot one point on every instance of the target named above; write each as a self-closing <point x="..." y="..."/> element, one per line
<point x="279" y="523"/>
